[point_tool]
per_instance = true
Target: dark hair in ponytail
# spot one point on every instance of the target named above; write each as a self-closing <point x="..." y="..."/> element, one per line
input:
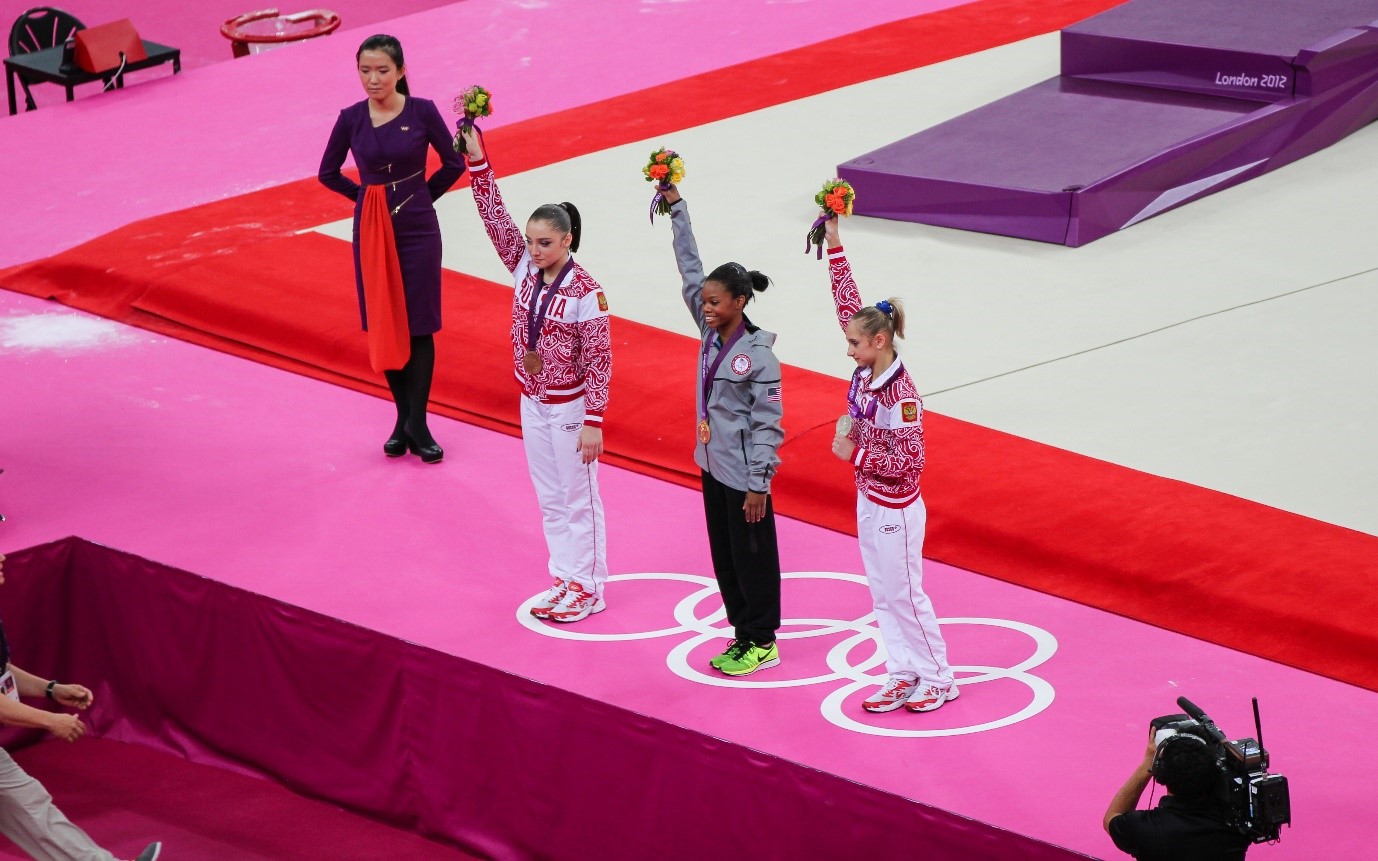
<point x="564" y="217"/>
<point x="736" y="280"/>
<point x="393" y="48"/>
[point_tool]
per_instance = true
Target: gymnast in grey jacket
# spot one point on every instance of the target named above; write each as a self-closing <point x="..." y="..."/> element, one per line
<point x="738" y="429"/>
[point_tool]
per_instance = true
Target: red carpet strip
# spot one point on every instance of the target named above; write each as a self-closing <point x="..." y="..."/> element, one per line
<point x="234" y="276"/>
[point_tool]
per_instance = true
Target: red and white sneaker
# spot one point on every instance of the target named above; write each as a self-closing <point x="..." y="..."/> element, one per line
<point x="550" y="599"/>
<point x="891" y="695"/>
<point x="577" y="603"/>
<point x="932" y="698"/>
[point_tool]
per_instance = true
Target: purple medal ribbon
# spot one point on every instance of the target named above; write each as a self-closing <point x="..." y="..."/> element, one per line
<point x="808" y="237"/>
<point x="655" y="201"/>
<point x="534" y="319"/>
<point x="464" y="125"/>
<point x="707" y="372"/>
<point x="854" y="408"/>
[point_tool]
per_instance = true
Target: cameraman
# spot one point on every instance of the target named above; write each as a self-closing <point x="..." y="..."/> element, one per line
<point x="1189" y="823"/>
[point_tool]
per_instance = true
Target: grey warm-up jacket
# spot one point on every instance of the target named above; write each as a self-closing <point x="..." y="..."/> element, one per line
<point x="744" y="404"/>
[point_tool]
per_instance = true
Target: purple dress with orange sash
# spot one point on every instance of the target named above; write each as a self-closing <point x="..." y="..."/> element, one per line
<point x="393" y="156"/>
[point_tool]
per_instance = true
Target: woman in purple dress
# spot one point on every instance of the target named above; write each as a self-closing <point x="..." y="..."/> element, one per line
<point x="389" y="133"/>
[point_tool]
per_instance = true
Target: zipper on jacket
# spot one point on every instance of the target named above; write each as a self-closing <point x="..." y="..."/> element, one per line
<point x="746" y="463"/>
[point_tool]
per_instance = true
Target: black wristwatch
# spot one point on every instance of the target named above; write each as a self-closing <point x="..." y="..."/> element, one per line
<point x="49" y="692"/>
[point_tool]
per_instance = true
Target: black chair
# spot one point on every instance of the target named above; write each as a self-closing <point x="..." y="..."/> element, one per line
<point x="39" y="28"/>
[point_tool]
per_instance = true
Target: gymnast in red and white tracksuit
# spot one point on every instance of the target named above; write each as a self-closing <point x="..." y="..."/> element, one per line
<point x="562" y="354"/>
<point x="885" y="446"/>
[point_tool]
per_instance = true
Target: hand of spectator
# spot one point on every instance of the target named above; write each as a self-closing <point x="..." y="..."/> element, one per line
<point x="73" y="696"/>
<point x="67" y="727"/>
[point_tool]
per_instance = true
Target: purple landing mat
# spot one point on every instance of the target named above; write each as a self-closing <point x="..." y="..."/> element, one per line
<point x="497" y="764"/>
<point x="1069" y="161"/>
<point x="1255" y="49"/>
<point x="1144" y="127"/>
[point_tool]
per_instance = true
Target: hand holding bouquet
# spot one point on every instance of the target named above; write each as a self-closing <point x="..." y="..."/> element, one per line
<point x="835" y="199"/>
<point x="665" y="169"/>
<point x="471" y="104"/>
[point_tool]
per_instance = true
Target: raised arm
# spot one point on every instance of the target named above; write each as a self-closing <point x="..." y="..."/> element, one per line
<point x="503" y="232"/>
<point x="451" y="163"/>
<point x="333" y="159"/>
<point x="846" y="297"/>
<point x="687" y="256"/>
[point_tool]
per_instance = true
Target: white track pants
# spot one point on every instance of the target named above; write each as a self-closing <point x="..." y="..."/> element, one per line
<point x="567" y="489"/>
<point x="892" y="550"/>
<point x="28" y="817"/>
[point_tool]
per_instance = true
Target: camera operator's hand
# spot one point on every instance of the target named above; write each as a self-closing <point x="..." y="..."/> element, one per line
<point x="1152" y="750"/>
<point x="1133" y="789"/>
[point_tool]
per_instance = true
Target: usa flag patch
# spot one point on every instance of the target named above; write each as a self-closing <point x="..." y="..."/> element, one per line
<point x="773" y="393"/>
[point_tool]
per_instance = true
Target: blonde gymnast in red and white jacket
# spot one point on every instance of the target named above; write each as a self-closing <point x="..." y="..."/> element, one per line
<point x="562" y="356"/>
<point x="885" y="447"/>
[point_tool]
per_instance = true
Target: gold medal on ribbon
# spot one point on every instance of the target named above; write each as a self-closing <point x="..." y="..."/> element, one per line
<point x="705" y="433"/>
<point x="531" y="362"/>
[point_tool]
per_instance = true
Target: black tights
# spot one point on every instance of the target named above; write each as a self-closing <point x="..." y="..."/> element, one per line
<point x="411" y="390"/>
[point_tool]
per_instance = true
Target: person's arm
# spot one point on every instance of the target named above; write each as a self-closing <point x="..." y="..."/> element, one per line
<point x="451" y="163"/>
<point x="1127" y="798"/>
<point x="333" y="158"/>
<point x="846" y="296"/>
<point x="767" y="434"/>
<point x="72" y="696"/>
<point x="595" y="350"/>
<point x="64" y="726"/>
<point x="686" y="256"/>
<point x="503" y="232"/>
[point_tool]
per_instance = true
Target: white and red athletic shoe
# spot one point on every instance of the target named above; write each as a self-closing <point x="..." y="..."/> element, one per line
<point x="891" y="695"/>
<point x="577" y="603"/>
<point x="932" y="698"/>
<point x="550" y="599"/>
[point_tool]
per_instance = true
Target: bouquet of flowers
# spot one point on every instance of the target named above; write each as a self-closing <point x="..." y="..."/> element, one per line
<point x="835" y="199"/>
<point x="665" y="169"/>
<point x="471" y="104"/>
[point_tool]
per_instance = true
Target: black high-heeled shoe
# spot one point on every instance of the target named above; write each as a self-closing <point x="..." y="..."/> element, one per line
<point x="397" y="444"/>
<point x="429" y="452"/>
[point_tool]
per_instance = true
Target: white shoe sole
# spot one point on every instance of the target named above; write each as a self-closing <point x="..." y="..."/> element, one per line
<point x="882" y="708"/>
<point x="764" y="665"/>
<point x="951" y="695"/>
<point x="598" y="607"/>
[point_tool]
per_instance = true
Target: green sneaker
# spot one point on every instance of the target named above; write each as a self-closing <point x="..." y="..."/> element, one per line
<point x="754" y="658"/>
<point x="733" y="652"/>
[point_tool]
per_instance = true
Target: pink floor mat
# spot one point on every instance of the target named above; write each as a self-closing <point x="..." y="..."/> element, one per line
<point x="273" y="483"/>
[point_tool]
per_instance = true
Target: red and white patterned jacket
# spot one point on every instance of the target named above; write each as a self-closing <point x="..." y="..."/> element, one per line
<point x="887" y="412"/>
<point x="575" y="341"/>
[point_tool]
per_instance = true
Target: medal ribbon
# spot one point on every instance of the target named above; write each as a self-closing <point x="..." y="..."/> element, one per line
<point x="707" y="373"/>
<point x="854" y="408"/>
<point x="535" y="319"/>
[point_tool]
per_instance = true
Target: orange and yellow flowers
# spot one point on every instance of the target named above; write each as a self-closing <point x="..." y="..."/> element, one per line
<point x="835" y="199"/>
<point x="664" y="168"/>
